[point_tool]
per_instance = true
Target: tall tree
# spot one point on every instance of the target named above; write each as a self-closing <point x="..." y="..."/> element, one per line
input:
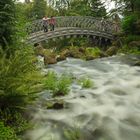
<point x="27" y="1"/>
<point x="97" y="8"/>
<point x="39" y="9"/>
<point x="128" y="5"/>
<point x="93" y="8"/>
<point x="7" y="18"/>
<point x="131" y="11"/>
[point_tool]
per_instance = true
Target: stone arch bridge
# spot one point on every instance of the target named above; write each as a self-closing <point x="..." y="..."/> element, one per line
<point x="67" y="26"/>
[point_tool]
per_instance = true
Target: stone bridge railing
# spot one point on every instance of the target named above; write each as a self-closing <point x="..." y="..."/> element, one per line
<point x="90" y="23"/>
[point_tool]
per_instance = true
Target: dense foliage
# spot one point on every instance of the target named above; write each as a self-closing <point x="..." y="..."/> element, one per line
<point x="7" y="18"/>
<point x="18" y="76"/>
<point x="20" y="79"/>
<point x="39" y="9"/>
<point x="58" y="85"/>
<point x="6" y="133"/>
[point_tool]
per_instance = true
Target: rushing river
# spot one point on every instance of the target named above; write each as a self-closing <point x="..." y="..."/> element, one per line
<point x="108" y="111"/>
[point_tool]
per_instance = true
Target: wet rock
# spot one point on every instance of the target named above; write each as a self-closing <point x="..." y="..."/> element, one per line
<point x="61" y="57"/>
<point x="102" y="54"/>
<point x="89" y="58"/>
<point x="49" y="60"/>
<point x="56" y="106"/>
<point x="53" y="104"/>
<point x="65" y="53"/>
<point x="135" y="44"/>
<point x="111" y="51"/>
<point x="82" y="96"/>
<point x="137" y="63"/>
<point x="39" y="50"/>
<point x="74" y="52"/>
<point x="82" y="50"/>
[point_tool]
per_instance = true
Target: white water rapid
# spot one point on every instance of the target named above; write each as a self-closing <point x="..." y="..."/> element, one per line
<point x="108" y="111"/>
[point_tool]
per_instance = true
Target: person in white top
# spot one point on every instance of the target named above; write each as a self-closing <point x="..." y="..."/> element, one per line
<point x="45" y="24"/>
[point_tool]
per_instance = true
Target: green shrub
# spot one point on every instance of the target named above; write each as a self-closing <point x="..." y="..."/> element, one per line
<point x="128" y="24"/>
<point x="51" y="81"/>
<point x="15" y="120"/>
<point x="95" y="52"/>
<point x="86" y="83"/>
<point x="18" y="77"/>
<point x="62" y="85"/>
<point x="127" y="50"/>
<point x="58" y="85"/>
<point x="131" y="38"/>
<point x="6" y="133"/>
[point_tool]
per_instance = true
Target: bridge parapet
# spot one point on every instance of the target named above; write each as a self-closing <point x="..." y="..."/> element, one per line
<point x="90" y="23"/>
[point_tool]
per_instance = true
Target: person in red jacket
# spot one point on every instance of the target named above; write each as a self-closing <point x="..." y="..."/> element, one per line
<point x="52" y="22"/>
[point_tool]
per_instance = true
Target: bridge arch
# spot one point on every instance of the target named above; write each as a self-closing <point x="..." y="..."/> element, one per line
<point x="71" y="26"/>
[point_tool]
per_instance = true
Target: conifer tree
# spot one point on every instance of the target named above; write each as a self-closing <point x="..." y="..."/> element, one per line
<point x="39" y="9"/>
<point x="97" y="8"/>
<point x="7" y="18"/>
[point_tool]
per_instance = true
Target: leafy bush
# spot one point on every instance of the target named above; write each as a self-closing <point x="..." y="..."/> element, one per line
<point x="14" y="119"/>
<point x="62" y="86"/>
<point x="51" y="81"/>
<point x="127" y="50"/>
<point x="6" y="133"/>
<point x="95" y="52"/>
<point x="131" y="38"/>
<point x="58" y="85"/>
<point x="128" y="24"/>
<point x="86" y="83"/>
<point x="18" y="77"/>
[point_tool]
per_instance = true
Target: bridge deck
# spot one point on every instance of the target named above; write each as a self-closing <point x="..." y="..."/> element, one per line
<point x="68" y="26"/>
<point x="61" y="32"/>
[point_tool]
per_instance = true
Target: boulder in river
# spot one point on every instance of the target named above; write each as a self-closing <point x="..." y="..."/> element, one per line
<point x="54" y="104"/>
<point x="49" y="60"/>
<point x="111" y="51"/>
<point x="89" y="57"/>
<point x="134" y="44"/>
<point x="137" y="63"/>
<point x="39" y="50"/>
<point x="61" y="57"/>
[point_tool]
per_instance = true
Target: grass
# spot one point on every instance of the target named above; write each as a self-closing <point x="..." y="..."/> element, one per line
<point x="7" y="133"/>
<point x="86" y="83"/>
<point x="95" y="52"/>
<point x="57" y="85"/>
<point x="129" y="50"/>
<point x="72" y="134"/>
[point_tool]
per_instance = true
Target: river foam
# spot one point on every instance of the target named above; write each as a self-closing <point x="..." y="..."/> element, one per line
<point x="109" y="111"/>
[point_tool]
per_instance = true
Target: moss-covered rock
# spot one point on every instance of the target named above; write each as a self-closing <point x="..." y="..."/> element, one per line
<point x="49" y="60"/>
<point x="111" y="51"/>
<point x="53" y="104"/>
<point x="89" y="57"/>
<point x="134" y="44"/>
<point x="39" y="50"/>
<point x="74" y="52"/>
<point x="137" y="63"/>
<point x="82" y="50"/>
<point x="61" y="57"/>
<point x="103" y="54"/>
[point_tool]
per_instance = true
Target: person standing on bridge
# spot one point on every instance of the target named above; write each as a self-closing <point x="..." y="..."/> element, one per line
<point x="52" y="23"/>
<point x="45" y="24"/>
